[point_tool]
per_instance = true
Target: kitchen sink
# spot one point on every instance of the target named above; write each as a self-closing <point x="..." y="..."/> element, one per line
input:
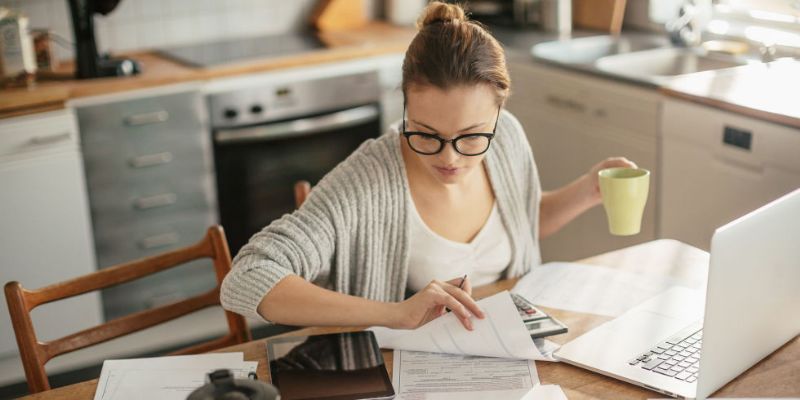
<point x="587" y="50"/>
<point x="660" y="64"/>
<point x="643" y="58"/>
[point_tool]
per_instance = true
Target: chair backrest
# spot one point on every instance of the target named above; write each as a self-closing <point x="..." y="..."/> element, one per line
<point x="301" y="191"/>
<point x="35" y="354"/>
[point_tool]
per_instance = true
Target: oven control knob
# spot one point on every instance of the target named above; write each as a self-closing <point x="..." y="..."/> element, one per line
<point x="230" y="113"/>
<point x="256" y="109"/>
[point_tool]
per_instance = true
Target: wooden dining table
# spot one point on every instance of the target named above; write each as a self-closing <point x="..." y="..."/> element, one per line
<point x="777" y="375"/>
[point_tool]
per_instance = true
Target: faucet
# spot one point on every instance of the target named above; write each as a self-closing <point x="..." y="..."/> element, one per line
<point x="767" y="51"/>
<point x="682" y="31"/>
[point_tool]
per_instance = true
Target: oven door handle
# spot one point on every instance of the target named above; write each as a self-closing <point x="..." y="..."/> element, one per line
<point x="299" y="127"/>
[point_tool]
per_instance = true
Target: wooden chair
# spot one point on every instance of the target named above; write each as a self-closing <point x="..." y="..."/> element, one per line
<point x="301" y="191"/>
<point x="35" y="353"/>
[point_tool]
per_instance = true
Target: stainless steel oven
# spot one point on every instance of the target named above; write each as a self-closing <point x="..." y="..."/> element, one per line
<point x="267" y="138"/>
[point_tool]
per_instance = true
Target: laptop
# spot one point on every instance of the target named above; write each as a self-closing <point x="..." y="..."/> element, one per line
<point x="686" y="343"/>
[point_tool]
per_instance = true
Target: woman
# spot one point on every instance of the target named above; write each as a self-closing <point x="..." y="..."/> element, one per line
<point x="452" y="190"/>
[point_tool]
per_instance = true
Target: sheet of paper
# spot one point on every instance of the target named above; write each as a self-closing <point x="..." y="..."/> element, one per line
<point x="500" y="334"/>
<point x="588" y="288"/>
<point x="545" y="392"/>
<point x="165" y="377"/>
<point x="423" y="375"/>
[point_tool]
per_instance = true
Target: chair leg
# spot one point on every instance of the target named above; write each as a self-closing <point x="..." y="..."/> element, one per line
<point x="29" y="350"/>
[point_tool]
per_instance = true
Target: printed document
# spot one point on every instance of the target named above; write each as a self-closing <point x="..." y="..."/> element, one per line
<point x="422" y="375"/>
<point x="173" y="377"/>
<point x="589" y="288"/>
<point x="500" y="334"/>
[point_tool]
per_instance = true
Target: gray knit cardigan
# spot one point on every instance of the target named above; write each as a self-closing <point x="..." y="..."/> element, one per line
<point x="352" y="233"/>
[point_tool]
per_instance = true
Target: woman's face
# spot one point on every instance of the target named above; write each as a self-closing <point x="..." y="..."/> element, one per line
<point x="448" y="114"/>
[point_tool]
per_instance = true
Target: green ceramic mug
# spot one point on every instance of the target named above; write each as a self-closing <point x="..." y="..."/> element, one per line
<point x="624" y="192"/>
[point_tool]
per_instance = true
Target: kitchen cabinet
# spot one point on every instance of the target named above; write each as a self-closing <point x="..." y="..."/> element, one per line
<point x="573" y="121"/>
<point x="150" y="180"/>
<point x="717" y="166"/>
<point x="44" y="221"/>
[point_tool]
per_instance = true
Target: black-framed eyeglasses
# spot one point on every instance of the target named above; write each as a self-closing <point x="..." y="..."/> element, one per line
<point x="470" y="144"/>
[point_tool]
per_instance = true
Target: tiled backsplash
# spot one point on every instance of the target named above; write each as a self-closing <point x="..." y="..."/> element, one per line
<point x="142" y="24"/>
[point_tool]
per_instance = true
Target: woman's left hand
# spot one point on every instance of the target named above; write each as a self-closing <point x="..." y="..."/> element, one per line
<point x="594" y="181"/>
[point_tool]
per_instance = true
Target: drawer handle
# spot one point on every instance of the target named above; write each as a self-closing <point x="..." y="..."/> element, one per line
<point x="147" y="118"/>
<point x="49" y="139"/>
<point x="150" y="160"/>
<point x="159" y="200"/>
<point x="160" y="240"/>
<point x="567" y="104"/>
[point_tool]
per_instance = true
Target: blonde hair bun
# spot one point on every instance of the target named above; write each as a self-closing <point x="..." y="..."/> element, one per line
<point x="438" y="11"/>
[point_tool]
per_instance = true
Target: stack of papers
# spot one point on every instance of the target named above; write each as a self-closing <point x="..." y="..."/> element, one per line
<point x="166" y="378"/>
<point x="501" y="334"/>
<point x="417" y="375"/>
<point x="592" y="289"/>
<point x="435" y="376"/>
<point x="443" y="360"/>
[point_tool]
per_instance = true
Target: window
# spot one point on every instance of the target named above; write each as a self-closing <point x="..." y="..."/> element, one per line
<point x="765" y="11"/>
<point x="769" y="22"/>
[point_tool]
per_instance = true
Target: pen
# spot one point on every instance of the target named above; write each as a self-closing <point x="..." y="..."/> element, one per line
<point x="460" y="286"/>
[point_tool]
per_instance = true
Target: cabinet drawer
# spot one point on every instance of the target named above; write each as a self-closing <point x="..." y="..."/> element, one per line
<point x="129" y="168"/>
<point x="128" y="242"/>
<point x="116" y="205"/>
<point x="190" y="279"/>
<point x="589" y="100"/>
<point x="637" y="115"/>
<point x="46" y="131"/>
<point x="141" y="122"/>
<point x="125" y="153"/>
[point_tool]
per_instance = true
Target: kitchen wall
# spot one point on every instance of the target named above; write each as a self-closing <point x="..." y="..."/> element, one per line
<point x="142" y="24"/>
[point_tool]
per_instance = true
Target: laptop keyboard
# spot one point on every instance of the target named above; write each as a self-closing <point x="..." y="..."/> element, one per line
<point x="677" y="357"/>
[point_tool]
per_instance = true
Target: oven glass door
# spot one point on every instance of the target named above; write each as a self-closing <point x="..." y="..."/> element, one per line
<point x="257" y="166"/>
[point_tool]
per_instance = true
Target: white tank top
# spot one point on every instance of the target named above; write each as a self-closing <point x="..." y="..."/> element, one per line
<point x="431" y="256"/>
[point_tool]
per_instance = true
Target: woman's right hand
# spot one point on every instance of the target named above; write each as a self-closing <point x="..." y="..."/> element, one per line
<point x="430" y="303"/>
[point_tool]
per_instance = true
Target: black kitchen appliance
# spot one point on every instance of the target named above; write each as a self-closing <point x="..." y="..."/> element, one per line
<point x="269" y="136"/>
<point x="88" y="63"/>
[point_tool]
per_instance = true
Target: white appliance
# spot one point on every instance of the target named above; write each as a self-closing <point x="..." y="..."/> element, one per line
<point x="717" y="165"/>
<point x="44" y="222"/>
<point x="754" y="272"/>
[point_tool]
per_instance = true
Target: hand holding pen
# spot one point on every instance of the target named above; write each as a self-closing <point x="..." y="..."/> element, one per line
<point x="431" y="302"/>
<point x="461" y="286"/>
